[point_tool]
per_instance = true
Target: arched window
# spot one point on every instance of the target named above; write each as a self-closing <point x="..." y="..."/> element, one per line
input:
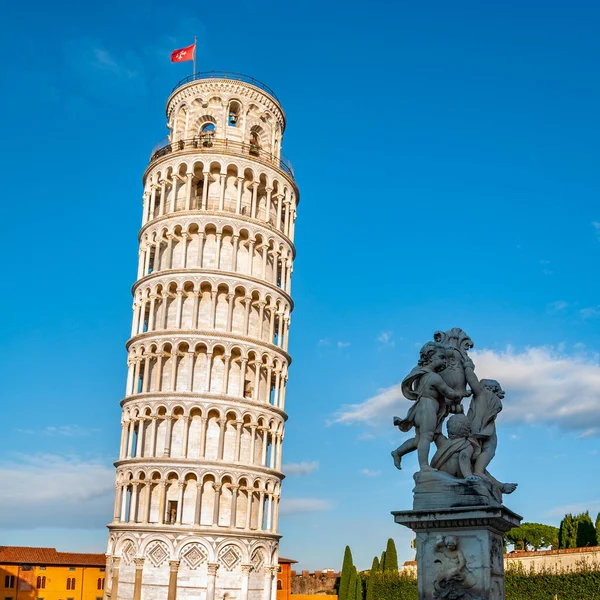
<point x="279" y="584"/>
<point x="207" y="134"/>
<point x="234" y="114"/>
<point x="70" y="583"/>
<point x="254" y="143"/>
<point x="41" y="582"/>
<point x="100" y="583"/>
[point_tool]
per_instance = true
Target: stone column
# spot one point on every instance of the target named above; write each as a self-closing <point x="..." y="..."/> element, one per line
<point x="254" y="206"/>
<point x="250" y="492"/>
<point x="203" y="427"/>
<point x="267" y="584"/>
<point x="198" y="507"/>
<point x="146" y="517"/>
<point x="134" y="501"/>
<point x="205" y="189"/>
<point x="173" y="203"/>
<point x="234" y="497"/>
<point x="186" y="434"/>
<point x="216" y="506"/>
<point x="173" y="569"/>
<point x="179" y="516"/>
<point x="188" y="190"/>
<point x="137" y="586"/>
<point x="261" y="510"/>
<point x="218" y="237"/>
<point x="240" y="190"/>
<point x="269" y="191"/>
<point x="114" y="588"/>
<point x="167" y="448"/>
<point x="184" y="244"/>
<point x="212" y="579"/>
<point x="238" y="440"/>
<point x="236" y="241"/>
<point x="117" y="509"/>
<point x="162" y="488"/>
<point x="221" y="445"/>
<point x="222" y="180"/>
<point x="246" y="570"/>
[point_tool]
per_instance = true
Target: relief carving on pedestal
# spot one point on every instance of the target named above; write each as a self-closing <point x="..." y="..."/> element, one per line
<point x="453" y="578"/>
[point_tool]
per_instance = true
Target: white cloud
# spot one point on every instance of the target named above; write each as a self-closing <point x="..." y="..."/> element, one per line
<point x="105" y="61"/>
<point x="324" y="342"/>
<point x="596" y="226"/>
<point x="297" y="506"/>
<point x="591" y="312"/>
<point x="365" y="437"/>
<point x="543" y="386"/>
<point x="53" y="491"/>
<point x="386" y="338"/>
<point x="370" y="473"/>
<point x="343" y="344"/>
<point x="300" y="469"/>
<point x="593" y="506"/>
<point x="592" y="432"/>
<point x="556" y="307"/>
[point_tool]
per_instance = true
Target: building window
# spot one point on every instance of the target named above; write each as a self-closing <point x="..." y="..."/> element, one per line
<point x="100" y="583"/>
<point x="70" y="583"/>
<point x="171" y="512"/>
<point x="42" y="568"/>
<point x="207" y="134"/>
<point x="41" y="582"/>
<point x="9" y="581"/>
<point x="279" y="584"/>
<point x="102" y="569"/>
<point x="72" y="568"/>
<point x="8" y="598"/>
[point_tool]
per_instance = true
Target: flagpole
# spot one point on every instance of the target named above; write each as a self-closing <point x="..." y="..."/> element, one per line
<point x="194" y="67"/>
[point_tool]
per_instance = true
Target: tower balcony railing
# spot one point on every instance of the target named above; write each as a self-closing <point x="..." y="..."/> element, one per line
<point x="226" y="75"/>
<point x="209" y="144"/>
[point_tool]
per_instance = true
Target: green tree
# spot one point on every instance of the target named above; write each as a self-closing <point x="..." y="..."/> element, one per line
<point x="359" y="587"/>
<point x="352" y="584"/>
<point x="347" y="567"/>
<point x="586" y="532"/>
<point x="391" y="557"/>
<point x="375" y="565"/>
<point x="382" y="562"/>
<point x="534" y="535"/>
<point x="598" y="530"/>
<point x="567" y="535"/>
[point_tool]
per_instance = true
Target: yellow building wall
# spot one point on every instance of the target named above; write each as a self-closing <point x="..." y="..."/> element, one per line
<point x="25" y="584"/>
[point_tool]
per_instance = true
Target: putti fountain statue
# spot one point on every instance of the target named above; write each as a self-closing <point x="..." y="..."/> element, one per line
<point x="458" y="515"/>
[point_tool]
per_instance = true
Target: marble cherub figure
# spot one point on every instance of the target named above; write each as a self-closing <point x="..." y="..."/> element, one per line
<point x="453" y="576"/>
<point x="433" y="400"/>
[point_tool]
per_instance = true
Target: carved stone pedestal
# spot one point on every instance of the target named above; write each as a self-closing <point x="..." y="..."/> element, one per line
<point x="460" y="550"/>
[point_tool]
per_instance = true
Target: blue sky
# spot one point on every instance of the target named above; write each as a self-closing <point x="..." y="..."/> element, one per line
<point x="447" y="156"/>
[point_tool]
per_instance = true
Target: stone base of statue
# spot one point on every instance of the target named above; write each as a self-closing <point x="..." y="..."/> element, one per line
<point x="460" y="551"/>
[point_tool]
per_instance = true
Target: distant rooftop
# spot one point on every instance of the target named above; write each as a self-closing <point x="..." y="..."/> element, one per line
<point x="49" y="556"/>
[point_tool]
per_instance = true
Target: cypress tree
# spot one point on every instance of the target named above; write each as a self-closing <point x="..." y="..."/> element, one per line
<point x="347" y="567"/>
<point x="598" y="530"/>
<point x="382" y="562"/>
<point x="586" y="532"/>
<point x="371" y="583"/>
<point x="359" y="587"/>
<point x="567" y="533"/>
<point x="352" y="584"/>
<point x="375" y="565"/>
<point x="391" y="557"/>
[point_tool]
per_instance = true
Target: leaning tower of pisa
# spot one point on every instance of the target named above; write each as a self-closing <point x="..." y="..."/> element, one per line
<point x="199" y="472"/>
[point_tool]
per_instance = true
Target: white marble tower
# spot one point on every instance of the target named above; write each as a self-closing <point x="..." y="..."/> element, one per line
<point x="199" y="472"/>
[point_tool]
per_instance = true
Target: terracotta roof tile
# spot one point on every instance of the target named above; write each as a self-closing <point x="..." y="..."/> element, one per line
<point x="49" y="556"/>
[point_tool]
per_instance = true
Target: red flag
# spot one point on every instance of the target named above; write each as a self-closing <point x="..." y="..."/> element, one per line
<point x="184" y="54"/>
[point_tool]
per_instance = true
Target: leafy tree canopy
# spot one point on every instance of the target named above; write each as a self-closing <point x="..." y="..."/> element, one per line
<point x="532" y="536"/>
